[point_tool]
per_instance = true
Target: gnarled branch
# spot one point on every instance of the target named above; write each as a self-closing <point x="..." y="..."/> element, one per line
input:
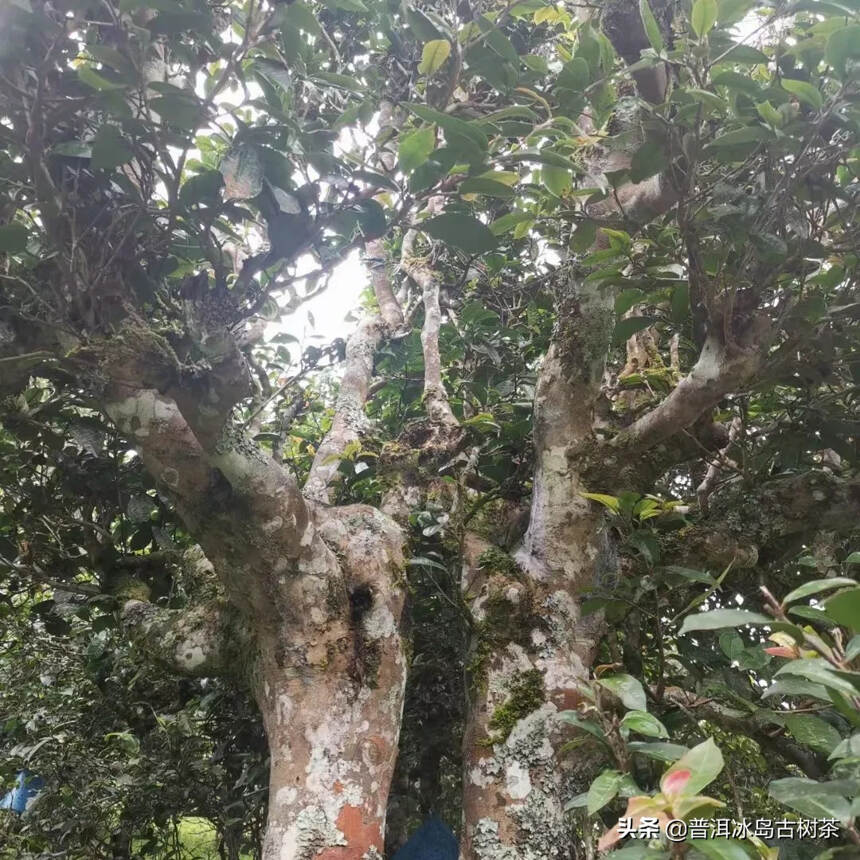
<point x="202" y="641"/>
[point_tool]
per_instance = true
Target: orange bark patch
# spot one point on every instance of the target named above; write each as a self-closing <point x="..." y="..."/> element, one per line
<point x="566" y="700"/>
<point x="361" y="835"/>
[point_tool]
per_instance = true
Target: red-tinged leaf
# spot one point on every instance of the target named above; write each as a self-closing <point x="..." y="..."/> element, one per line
<point x="782" y="651"/>
<point x="675" y="782"/>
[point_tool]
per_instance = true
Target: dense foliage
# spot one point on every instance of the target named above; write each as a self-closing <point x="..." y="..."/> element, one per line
<point x="197" y="170"/>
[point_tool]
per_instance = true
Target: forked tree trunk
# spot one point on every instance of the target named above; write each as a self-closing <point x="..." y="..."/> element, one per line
<point x="533" y="651"/>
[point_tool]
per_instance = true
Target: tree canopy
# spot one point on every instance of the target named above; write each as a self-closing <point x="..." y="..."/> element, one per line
<point x="565" y="532"/>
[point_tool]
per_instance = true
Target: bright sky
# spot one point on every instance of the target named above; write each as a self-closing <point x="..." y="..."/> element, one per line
<point x="323" y="318"/>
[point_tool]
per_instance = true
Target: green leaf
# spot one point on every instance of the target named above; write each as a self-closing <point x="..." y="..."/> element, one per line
<point x="748" y="135"/>
<point x="497" y="40"/>
<point x="720" y="849"/>
<point x="848" y="748"/>
<point x="658" y="751"/>
<point x="610" y="502"/>
<point x="574" y="76"/>
<point x="415" y="148"/>
<point x="300" y="15"/>
<point x="796" y="687"/>
<point x="204" y="187"/>
<point x="584" y="237"/>
<point x="770" y="114"/>
<point x="652" y="28"/>
<point x="805" y="92"/>
<point x="422" y="26"/>
<point x="704" y="16"/>
<point x="627" y="299"/>
<point x="732" y="11"/>
<point x="709" y="101"/>
<point x="813" y="732"/>
<point x="536" y="63"/>
<point x="110" y="148"/>
<point x="854" y="558"/>
<point x="717" y="619"/>
<point x="182" y="110"/>
<point x="508" y="222"/>
<point x="13" y="238"/>
<point x="688" y="573"/>
<point x="97" y="81"/>
<point x="731" y="645"/>
<point x="73" y="148"/>
<point x="488" y="187"/>
<point x="602" y="790"/>
<point x="844" y="608"/>
<point x="451" y="125"/>
<point x="434" y="55"/>
<point x="843" y="47"/>
<point x="647" y="161"/>
<point x="704" y="762"/>
<point x="627" y="327"/>
<point x="852" y="649"/>
<point x="579" y="801"/>
<point x="557" y="179"/>
<point x="628" y="689"/>
<point x="544" y="156"/>
<point x="110" y="57"/>
<point x="343" y="81"/>
<point x="818" y="671"/>
<point x="462" y="231"/>
<point x="371" y="219"/>
<point x="572" y="718"/>
<point x="813" y="613"/>
<point x="816" y="586"/>
<point x="737" y="81"/>
<point x="644" y="724"/>
<point x="811" y="798"/>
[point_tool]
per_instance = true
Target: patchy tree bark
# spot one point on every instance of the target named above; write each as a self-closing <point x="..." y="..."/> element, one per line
<point x="311" y="604"/>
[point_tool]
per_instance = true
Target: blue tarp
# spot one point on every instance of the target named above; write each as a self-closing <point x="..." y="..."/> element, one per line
<point x="26" y="789"/>
<point x="433" y="840"/>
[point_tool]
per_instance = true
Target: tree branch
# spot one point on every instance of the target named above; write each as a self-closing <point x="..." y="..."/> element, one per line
<point x="722" y="368"/>
<point x="202" y="641"/>
<point x="698" y="708"/>
<point x="349" y="418"/>
<point x="435" y="397"/>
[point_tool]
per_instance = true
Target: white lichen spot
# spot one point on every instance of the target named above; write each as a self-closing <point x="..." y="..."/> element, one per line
<point x="285" y="709"/>
<point x="272" y="525"/>
<point x="170" y="477"/>
<point x="379" y="623"/>
<point x="517" y="780"/>
<point x="190" y="657"/>
<point x="311" y="833"/>
<point x="286" y="796"/>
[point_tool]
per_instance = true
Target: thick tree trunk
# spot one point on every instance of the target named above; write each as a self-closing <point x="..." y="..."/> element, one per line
<point x="330" y="687"/>
<point x="333" y="746"/>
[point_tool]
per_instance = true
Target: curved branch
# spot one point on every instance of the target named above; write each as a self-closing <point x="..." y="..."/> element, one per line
<point x="202" y="641"/>
<point x="349" y="419"/>
<point x="720" y="370"/>
<point x="435" y="397"/>
<point x="698" y="707"/>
